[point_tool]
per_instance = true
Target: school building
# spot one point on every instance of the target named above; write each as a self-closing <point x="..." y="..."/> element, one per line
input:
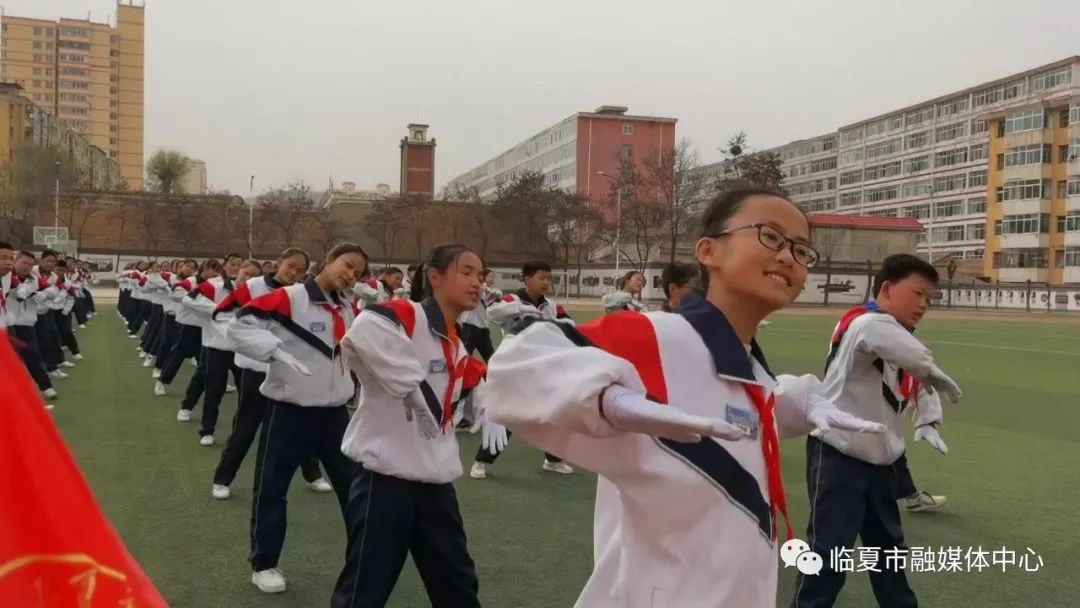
<point x="580" y="153"/>
<point x="991" y="171"/>
<point x="87" y="73"/>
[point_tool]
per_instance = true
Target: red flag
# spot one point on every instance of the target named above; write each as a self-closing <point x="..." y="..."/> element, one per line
<point x="57" y="550"/>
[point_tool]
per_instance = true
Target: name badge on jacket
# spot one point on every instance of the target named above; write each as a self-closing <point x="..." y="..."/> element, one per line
<point x="437" y="366"/>
<point x="318" y="327"/>
<point x="742" y="419"/>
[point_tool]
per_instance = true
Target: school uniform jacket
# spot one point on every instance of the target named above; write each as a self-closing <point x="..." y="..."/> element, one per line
<point x="411" y="377"/>
<point x="138" y="282"/>
<point x="621" y="300"/>
<point x="20" y="300"/>
<point x="181" y="289"/>
<point x="307" y="324"/>
<point x="5" y="287"/>
<point x="870" y="373"/>
<point x="203" y="300"/>
<point x="479" y="316"/>
<point x="680" y="525"/>
<point x="161" y="285"/>
<point x="240" y="297"/>
<point x="510" y="312"/>
<point x="370" y="292"/>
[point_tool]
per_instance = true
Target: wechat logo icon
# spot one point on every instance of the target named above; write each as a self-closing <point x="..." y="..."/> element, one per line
<point x="797" y="553"/>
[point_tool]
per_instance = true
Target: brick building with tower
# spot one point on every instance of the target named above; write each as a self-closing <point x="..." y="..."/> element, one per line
<point x="417" y="163"/>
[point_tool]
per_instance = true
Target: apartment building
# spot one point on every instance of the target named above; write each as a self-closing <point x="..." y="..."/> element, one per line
<point x="577" y="153"/>
<point x="87" y="73"/>
<point x="991" y="171"/>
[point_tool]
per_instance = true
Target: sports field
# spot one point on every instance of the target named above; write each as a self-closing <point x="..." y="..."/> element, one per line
<point x="1012" y="478"/>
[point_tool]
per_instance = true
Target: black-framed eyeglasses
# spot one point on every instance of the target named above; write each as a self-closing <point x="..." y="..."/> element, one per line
<point x="773" y="239"/>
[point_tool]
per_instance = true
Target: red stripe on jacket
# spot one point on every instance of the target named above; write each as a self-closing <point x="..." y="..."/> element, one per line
<point x="631" y="336"/>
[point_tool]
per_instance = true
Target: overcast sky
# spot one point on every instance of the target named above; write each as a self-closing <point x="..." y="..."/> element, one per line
<point x="308" y="89"/>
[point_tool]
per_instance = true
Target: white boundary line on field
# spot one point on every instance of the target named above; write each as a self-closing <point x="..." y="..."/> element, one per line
<point x="932" y="342"/>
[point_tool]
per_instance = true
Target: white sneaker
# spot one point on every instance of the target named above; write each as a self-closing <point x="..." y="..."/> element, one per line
<point x="156" y="374"/>
<point x="923" y="501"/>
<point x="66" y="365"/>
<point x="148" y="361"/>
<point x="58" y="374"/>
<point x="183" y="415"/>
<point x="321" y="486"/>
<point x="557" y="467"/>
<point x="194" y="362"/>
<point x="82" y="326"/>
<point x="220" y="492"/>
<point x="206" y="441"/>
<point x="269" y="581"/>
<point x="133" y="336"/>
<point x="478" y="470"/>
<point x="230" y="388"/>
<point x="49" y="406"/>
<point x="78" y="357"/>
<point x="159" y="390"/>
<point x="50" y="393"/>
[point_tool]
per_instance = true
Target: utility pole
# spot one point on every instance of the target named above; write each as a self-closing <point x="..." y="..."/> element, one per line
<point x="251" y="216"/>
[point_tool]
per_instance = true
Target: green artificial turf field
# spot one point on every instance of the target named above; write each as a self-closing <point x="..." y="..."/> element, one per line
<point x="1012" y="479"/>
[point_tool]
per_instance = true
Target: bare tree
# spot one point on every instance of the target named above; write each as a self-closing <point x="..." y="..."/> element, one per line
<point x="285" y="209"/>
<point x="124" y="214"/>
<point x="382" y="224"/>
<point x="229" y="219"/>
<point x="151" y="221"/>
<point x="416" y="210"/>
<point x="476" y="214"/>
<point x="522" y="208"/>
<point x="328" y="229"/>
<point x="753" y="168"/>
<point x="676" y="181"/>
<point x="81" y="206"/>
<point x="185" y="219"/>
<point x="570" y="220"/>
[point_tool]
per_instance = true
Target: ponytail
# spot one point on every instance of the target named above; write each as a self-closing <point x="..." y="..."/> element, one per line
<point x="418" y="289"/>
<point x="439" y="260"/>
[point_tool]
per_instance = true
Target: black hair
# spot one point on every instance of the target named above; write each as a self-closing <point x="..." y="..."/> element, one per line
<point x="290" y="252"/>
<point x="392" y="270"/>
<point x="531" y="268"/>
<point x="412" y="268"/>
<point x="725" y="205"/>
<point x="900" y="266"/>
<point x="49" y="252"/>
<point x="212" y="265"/>
<point x="440" y="259"/>
<point x="61" y="263"/>
<point x="6" y="245"/>
<point x="339" y="250"/>
<point x="24" y="254"/>
<point x="484" y="273"/>
<point x="229" y="256"/>
<point x="678" y="273"/>
<point x="623" y="280"/>
<point x="189" y="261"/>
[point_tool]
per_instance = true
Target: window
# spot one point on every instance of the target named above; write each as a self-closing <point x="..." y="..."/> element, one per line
<point x="37" y="45"/>
<point x="74" y="58"/>
<point x="627" y="149"/>
<point x="74" y="97"/>
<point x="882" y="171"/>
<point x="37" y="30"/>
<point x="1020" y="190"/>
<point x="976" y="205"/>
<point x="1028" y="223"/>
<point x="978" y="126"/>
<point x="947" y="158"/>
<point x="1074" y="114"/>
<point x="877" y="127"/>
<point x="947" y="233"/>
<point x="916" y="140"/>
<point x="1072" y="187"/>
<point x="976" y="232"/>
<point x="74" y="84"/>
<point x="1071" y="151"/>
<point x="819" y="204"/>
<point x="952" y="131"/>
<point x="883" y="212"/>
<point x="48" y="98"/>
<point x="948" y="208"/>
<point x="74" y="110"/>
<point x="115" y="90"/>
<point x="977" y="178"/>
<point x="851" y="157"/>
<point x="116" y="53"/>
<point x="1013" y="90"/>
<point x="78" y="32"/>
<point x="68" y="71"/>
<point x="918" y="117"/>
<point x="825" y="164"/>
<point x="883" y="193"/>
<point x="851" y="136"/>
<point x="916" y="164"/>
<point x="68" y="44"/>
<point x="1020" y="258"/>
<point x="829" y="143"/>
<point x="113" y="116"/>
<point x="848" y="199"/>
<point x="850" y="177"/>
<point x="953" y="106"/>
<point x="1070" y="256"/>
<point x="114" y="39"/>
<point x="950" y="182"/>
<point x="919" y="212"/>
<point x="1027" y="155"/>
<point x="978" y="152"/>
<point x="1028" y="120"/>
<point x="1050" y="80"/>
<point x="885" y="148"/>
<point x="37" y="97"/>
<point x="913" y="189"/>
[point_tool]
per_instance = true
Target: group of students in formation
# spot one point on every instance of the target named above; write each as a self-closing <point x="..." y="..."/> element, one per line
<point x="361" y="382"/>
<point x="44" y="300"/>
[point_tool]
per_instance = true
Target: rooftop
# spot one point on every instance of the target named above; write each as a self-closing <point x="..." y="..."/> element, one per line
<point x="865" y="222"/>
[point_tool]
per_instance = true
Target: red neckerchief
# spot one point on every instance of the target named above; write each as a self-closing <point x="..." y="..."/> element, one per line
<point x="770" y="447"/>
<point x="339" y="321"/>
<point x="455" y="373"/>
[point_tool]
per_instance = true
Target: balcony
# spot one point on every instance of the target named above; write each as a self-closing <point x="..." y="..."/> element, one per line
<point x="1071" y="274"/>
<point x="1072" y="203"/>
<point x="1072" y="238"/>
<point x="1073" y="166"/>
<point x="1020" y="275"/>
<point x="1035" y="171"/>
<point x="1031" y="205"/>
<point x="1031" y="240"/>
<point x="1029" y="138"/>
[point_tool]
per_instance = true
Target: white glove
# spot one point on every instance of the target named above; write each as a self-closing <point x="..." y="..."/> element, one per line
<point x="824" y="415"/>
<point x="290" y="361"/>
<point x="416" y="408"/>
<point x="494" y="438"/>
<point x="929" y="434"/>
<point x="629" y="411"/>
<point x="937" y="380"/>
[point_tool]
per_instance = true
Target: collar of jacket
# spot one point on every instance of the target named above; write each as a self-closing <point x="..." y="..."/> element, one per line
<point x="728" y="353"/>
<point x="436" y="321"/>
<point x="523" y="295"/>
<point x="316" y="295"/>
<point x="271" y="282"/>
